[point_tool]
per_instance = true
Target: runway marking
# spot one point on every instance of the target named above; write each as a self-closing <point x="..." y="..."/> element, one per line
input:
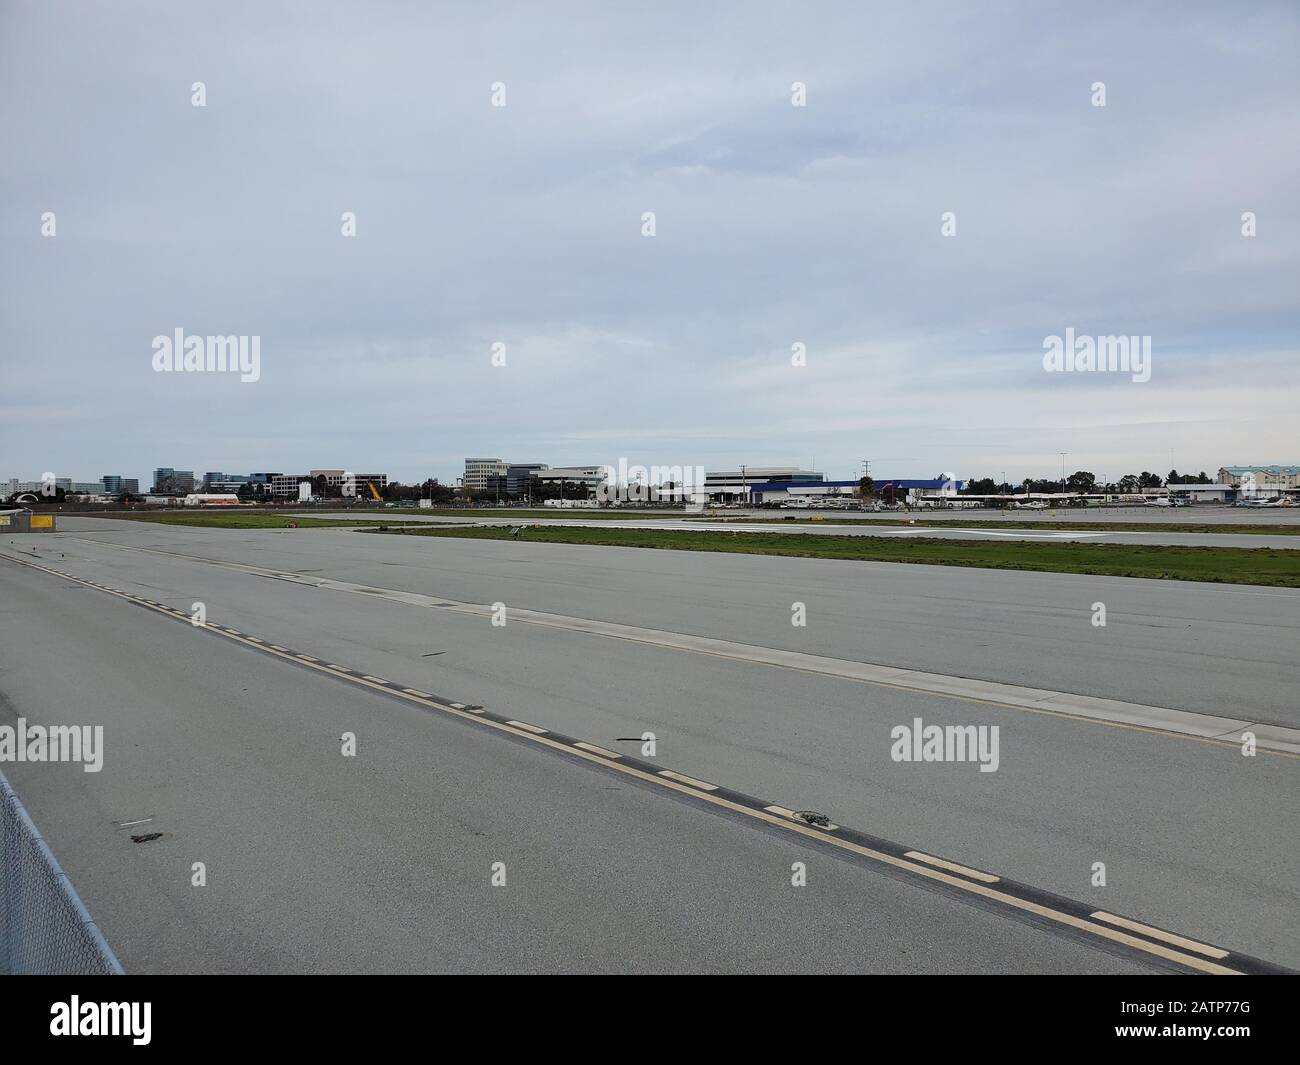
<point x="1009" y="895"/>
<point x="597" y="750"/>
<point x="1276" y="740"/>
<point x="688" y="780"/>
<point x="1157" y="933"/>
<point x="416" y="691"/>
<point x="953" y="867"/>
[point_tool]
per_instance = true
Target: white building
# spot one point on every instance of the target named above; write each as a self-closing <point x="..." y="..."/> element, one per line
<point x="720" y="485"/>
<point x="1202" y="493"/>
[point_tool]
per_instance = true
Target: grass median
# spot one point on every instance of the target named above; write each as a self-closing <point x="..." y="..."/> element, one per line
<point x="1081" y="525"/>
<point x="1226" y="565"/>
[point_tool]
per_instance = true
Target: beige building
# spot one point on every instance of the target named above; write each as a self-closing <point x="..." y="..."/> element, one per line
<point x="478" y="471"/>
<point x="1264" y="478"/>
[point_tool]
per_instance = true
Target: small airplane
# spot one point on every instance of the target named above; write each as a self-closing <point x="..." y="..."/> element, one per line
<point x="1037" y="504"/>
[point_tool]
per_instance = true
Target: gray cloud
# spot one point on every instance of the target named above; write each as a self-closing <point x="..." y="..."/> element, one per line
<point x="775" y="225"/>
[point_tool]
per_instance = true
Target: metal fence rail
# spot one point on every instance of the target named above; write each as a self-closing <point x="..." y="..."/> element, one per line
<point x="44" y="928"/>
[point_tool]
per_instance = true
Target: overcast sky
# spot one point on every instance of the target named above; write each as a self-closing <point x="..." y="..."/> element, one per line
<point x="522" y="225"/>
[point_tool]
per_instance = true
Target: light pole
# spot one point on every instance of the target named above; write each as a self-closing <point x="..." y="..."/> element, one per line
<point x="1063" y="454"/>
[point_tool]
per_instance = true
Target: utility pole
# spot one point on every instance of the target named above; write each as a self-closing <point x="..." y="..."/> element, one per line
<point x="1063" y="454"/>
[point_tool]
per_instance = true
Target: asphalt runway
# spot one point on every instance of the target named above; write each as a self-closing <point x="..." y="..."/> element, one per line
<point x="238" y="755"/>
<point x="804" y="527"/>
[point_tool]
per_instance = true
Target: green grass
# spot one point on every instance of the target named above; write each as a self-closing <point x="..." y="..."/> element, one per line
<point x="1071" y="526"/>
<point x="215" y="520"/>
<point x="1231" y="565"/>
<point x="483" y="513"/>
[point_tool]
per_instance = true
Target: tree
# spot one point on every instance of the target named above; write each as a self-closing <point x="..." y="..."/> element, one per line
<point x="1128" y="484"/>
<point x="1147" y="479"/>
<point x="1081" y="481"/>
<point x="866" y="488"/>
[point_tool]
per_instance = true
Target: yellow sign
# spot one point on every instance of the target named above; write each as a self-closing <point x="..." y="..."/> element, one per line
<point x="4" y="519"/>
<point x="42" y="521"/>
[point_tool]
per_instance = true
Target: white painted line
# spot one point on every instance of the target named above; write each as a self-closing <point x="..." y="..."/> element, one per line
<point x="952" y="867"/>
<point x="458" y="706"/>
<point x="684" y="779"/>
<point x="781" y="811"/>
<point x="416" y="691"/>
<point x="308" y="658"/>
<point x="597" y="750"/>
<point x="527" y="727"/>
<point x="1156" y="933"/>
<point x="377" y="680"/>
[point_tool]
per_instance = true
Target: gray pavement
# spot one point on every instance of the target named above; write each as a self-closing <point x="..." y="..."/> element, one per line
<point x="1178" y="822"/>
<point x="382" y="863"/>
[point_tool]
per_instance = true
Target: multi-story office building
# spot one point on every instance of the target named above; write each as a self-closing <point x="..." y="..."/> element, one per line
<point x="1261" y="479"/>
<point x="336" y="482"/>
<point x="14" y="485"/>
<point x="516" y="482"/>
<point x="115" y="484"/>
<point x="477" y="472"/>
<point x="170" y="482"/>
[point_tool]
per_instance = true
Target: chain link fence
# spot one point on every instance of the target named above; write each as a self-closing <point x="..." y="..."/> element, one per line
<point x="44" y="928"/>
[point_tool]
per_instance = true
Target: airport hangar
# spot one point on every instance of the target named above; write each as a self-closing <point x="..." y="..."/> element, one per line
<point x="781" y="491"/>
